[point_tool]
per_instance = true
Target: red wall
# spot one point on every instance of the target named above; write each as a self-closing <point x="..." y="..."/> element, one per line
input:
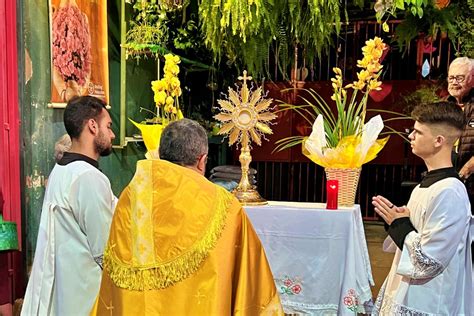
<point x="9" y="135"/>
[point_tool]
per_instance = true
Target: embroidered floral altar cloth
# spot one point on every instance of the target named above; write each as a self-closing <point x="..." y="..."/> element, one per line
<point x="318" y="257"/>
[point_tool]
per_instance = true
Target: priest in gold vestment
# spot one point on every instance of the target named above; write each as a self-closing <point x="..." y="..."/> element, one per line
<point x="181" y="245"/>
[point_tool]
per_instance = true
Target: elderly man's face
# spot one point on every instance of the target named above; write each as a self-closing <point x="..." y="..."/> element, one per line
<point x="459" y="81"/>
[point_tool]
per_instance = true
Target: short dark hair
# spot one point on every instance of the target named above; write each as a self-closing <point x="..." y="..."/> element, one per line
<point x="78" y="111"/>
<point x="447" y="113"/>
<point x="182" y="142"/>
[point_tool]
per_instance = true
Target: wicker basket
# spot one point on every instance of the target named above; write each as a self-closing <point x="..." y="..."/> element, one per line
<point x="348" y="180"/>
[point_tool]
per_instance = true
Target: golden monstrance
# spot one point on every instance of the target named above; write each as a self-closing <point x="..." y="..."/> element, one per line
<point x="244" y="116"/>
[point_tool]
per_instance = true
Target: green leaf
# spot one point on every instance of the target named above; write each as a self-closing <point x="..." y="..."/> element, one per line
<point x="420" y="12"/>
<point x="413" y="11"/>
<point x="400" y="4"/>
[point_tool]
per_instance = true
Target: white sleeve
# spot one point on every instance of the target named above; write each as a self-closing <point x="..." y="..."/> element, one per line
<point x="389" y="245"/>
<point x="426" y="253"/>
<point x="92" y="202"/>
<point x="472" y="230"/>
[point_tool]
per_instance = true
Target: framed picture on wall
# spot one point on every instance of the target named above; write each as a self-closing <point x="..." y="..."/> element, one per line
<point x="79" y="53"/>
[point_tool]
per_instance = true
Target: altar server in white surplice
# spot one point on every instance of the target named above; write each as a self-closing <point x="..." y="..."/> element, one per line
<point x="75" y="220"/>
<point x="431" y="272"/>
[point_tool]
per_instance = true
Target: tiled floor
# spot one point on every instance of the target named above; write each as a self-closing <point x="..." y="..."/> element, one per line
<point x="379" y="260"/>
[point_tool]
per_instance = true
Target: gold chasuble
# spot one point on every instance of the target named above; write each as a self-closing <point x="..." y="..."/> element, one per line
<point x="180" y="245"/>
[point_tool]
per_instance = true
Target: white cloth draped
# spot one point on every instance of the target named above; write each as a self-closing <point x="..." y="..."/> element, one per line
<point x="318" y="257"/>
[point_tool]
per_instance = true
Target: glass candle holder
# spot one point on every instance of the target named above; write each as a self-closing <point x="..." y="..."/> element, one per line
<point x="332" y="189"/>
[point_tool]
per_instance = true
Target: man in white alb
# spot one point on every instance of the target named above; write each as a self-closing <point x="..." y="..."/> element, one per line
<point x="431" y="270"/>
<point x="75" y="220"/>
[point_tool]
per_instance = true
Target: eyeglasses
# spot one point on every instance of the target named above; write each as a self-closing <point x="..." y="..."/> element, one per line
<point x="458" y="79"/>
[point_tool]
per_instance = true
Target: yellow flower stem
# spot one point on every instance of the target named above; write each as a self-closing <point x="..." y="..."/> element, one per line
<point x="143" y="109"/>
<point x="350" y="113"/>
<point x="364" y="105"/>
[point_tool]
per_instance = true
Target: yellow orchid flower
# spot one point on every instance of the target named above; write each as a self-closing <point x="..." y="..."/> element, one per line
<point x="169" y="100"/>
<point x="364" y="75"/>
<point x="157" y="85"/>
<point x="160" y="98"/>
<point x="374" y="85"/>
<point x="374" y="68"/>
<point x="358" y="85"/>
<point x="174" y="83"/>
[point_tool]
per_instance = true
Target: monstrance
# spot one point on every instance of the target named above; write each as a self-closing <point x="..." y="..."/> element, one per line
<point x="244" y="116"/>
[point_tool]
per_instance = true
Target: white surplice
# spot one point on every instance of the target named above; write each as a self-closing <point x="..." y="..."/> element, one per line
<point x="432" y="274"/>
<point x="74" y="227"/>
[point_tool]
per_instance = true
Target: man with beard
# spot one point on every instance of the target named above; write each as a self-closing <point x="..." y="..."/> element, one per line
<point x="75" y="220"/>
<point x="460" y="88"/>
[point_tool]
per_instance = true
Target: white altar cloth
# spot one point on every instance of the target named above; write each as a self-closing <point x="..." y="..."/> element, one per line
<point x="318" y="257"/>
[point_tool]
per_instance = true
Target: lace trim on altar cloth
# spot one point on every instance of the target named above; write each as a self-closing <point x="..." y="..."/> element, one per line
<point x="313" y="309"/>
<point x="424" y="266"/>
<point x="99" y="260"/>
<point x="386" y="306"/>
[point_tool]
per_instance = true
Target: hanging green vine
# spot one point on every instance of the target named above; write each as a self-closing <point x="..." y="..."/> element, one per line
<point x="387" y="8"/>
<point x="433" y="21"/>
<point x="224" y="19"/>
<point x="147" y="28"/>
<point x="465" y="26"/>
<point x="246" y="30"/>
<point x="161" y="27"/>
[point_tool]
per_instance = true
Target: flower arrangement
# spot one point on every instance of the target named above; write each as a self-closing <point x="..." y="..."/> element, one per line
<point x="71" y="44"/>
<point x="166" y="97"/>
<point x="167" y="90"/>
<point x="343" y="140"/>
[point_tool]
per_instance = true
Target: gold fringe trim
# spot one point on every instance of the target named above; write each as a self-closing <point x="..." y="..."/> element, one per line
<point x="169" y="273"/>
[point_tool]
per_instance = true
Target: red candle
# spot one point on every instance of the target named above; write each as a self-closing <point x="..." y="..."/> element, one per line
<point x="332" y="188"/>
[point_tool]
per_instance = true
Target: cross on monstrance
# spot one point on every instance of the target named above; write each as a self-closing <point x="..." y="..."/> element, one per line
<point x="244" y="78"/>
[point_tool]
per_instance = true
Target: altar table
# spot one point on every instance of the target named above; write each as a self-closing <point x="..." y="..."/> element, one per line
<point x="318" y="257"/>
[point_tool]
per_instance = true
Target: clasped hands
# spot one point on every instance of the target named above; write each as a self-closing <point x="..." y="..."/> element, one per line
<point x="387" y="210"/>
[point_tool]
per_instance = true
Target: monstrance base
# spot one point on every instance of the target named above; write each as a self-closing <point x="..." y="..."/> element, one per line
<point x="249" y="197"/>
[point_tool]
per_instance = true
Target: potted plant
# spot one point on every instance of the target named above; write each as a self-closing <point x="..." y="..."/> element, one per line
<point x="166" y="96"/>
<point x="341" y="142"/>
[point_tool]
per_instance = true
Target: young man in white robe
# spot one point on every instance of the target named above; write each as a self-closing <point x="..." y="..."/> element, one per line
<point x="75" y="220"/>
<point x="431" y="270"/>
